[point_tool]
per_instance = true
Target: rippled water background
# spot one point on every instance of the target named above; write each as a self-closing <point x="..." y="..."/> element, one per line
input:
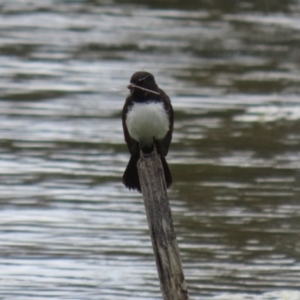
<point x="68" y="227"/>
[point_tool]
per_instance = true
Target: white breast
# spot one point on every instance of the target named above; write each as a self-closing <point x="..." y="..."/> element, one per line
<point x="146" y="121"/>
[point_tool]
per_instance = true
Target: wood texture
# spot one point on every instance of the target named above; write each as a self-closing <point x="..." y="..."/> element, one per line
<point x="161" y="228"/>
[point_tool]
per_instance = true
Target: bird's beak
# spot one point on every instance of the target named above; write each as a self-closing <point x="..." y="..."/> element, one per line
<point x="130" y="86"/>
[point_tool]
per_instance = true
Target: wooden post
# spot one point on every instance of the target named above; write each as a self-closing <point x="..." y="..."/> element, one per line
<point x="168" y="262"/>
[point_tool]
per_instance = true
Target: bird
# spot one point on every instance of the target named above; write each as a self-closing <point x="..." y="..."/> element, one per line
<point x="148" y="120"/>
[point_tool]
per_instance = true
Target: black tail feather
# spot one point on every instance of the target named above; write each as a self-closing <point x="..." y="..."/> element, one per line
<point x="167" y="172"/>
<point x="131" y="177"/>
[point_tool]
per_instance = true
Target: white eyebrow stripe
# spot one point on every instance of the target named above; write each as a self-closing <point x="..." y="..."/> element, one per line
<point x="143" y="78"/>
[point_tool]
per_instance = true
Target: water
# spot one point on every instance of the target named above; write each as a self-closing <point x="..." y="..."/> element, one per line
<point x="68" y="227"/>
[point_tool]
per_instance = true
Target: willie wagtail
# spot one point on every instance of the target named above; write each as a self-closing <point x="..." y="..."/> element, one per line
<point x="147" y="123"/>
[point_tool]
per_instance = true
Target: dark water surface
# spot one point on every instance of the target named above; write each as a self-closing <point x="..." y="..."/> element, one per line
<point x="68" y="227"/>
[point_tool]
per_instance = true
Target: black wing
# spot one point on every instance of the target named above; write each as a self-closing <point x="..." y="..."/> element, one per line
<point x="163" y="145"/>
<point x="133" y="145"/>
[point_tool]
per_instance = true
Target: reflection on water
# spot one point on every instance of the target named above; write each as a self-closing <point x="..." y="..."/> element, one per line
<point x="68" y="227"/>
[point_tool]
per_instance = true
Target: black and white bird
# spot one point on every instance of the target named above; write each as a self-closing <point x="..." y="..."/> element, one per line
<point x="148" y="120"/>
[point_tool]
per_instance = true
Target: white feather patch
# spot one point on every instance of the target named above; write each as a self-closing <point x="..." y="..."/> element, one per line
<point x="146" y="121"/>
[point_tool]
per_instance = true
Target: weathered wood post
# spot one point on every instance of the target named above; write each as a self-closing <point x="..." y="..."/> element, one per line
<point x="166" y="251"/>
